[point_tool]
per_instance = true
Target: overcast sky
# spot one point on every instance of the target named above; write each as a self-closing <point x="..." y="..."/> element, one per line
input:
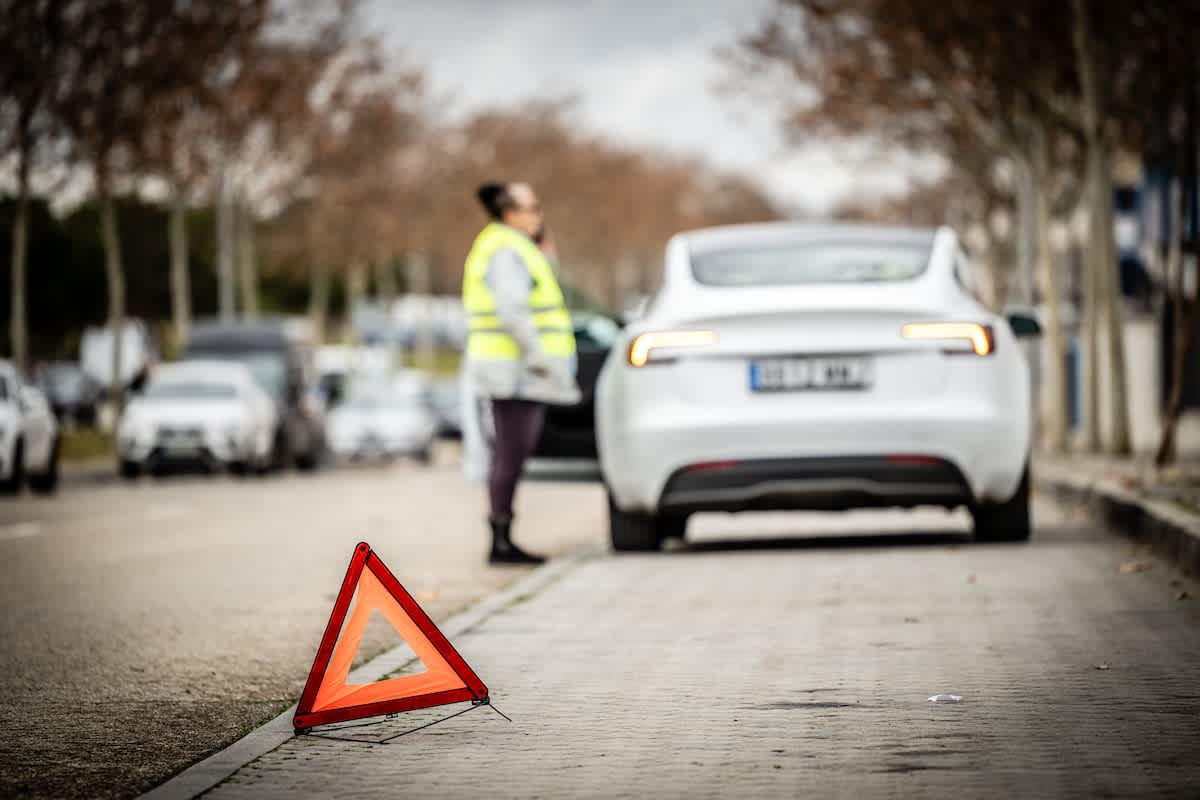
<point x="644" y="72"/>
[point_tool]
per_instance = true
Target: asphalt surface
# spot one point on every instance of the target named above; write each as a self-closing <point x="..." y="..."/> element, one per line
<point x="145" y="626"/>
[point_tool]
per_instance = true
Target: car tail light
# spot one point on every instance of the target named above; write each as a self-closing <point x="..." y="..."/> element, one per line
<point x="641" y="348"/>
<point x="980" y="336"/>
<point x="712" y="466"/>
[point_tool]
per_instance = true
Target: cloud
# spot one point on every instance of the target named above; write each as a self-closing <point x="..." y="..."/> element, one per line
<point x="645" y="74"/>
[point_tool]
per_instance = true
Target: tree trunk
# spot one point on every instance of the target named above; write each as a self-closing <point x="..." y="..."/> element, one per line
<point x="1091" y="344"/>
<point x="18" y="324"/>
<point x="181" y="285"/>
<point x="318" y="299"/>
<point x="1109" y="295"/>
<point x="1054" y="392"/>
<point x="1097" y="263"/>
<point x="115" y="275"/>
<point x="247" y="262"/>
<point x="385" y="292"/>
<point x="1026" y="233"/>
<point x="356" y="294"/>
<point x="1182" y="323"/>
<point x="225" y="243"/>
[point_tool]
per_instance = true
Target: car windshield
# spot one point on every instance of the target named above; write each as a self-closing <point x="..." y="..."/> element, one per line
<point x="67" y="380"/>
<point x="811" y="262"/>
<point x="268" y="369"/>
<point x="190" y="390"/>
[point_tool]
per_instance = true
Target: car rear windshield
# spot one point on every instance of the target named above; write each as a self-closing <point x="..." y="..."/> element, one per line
<point x="811" y="262"/>
<point x="190" y="390"/>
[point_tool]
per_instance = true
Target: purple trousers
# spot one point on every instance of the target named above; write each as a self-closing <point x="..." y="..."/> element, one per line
<point x="517" y="423"/>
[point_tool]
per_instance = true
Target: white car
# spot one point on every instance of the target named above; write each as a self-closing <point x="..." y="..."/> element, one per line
<point x="28" y="436"/>
<point x="384" y="418"/>
<point x="822" y="367"/>
<point x="210" y="412"/>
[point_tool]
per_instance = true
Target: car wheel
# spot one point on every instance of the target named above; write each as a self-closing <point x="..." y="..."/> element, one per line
<point x="307" y="462"/>
<point x="47" y="481"/>
<point x="673" y="526"/>
<point x="1005" y="522"/>
<point x="12" y="484"/>
<point x="633" y="530"/>
<point x="239" y="469"/>
<point x="424" y="457"/>
<point x="130" y="470"/>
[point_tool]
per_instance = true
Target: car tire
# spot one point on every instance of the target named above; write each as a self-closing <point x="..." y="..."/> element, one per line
<point x="672" y="526"/>
<point x="280" y="451"/>
<point x="1008" y="521"/>
<point x="130" y="470"/>
<point x="46" y="482"/>
<point x="238" y="469"/>
<point x="633" y="531"/>
<point x="308" y="462"/>
<point x="424" y="457"/>
<point x="12" y="484"/>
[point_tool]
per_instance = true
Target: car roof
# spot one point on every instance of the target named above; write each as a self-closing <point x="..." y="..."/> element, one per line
<point x="240" y="335"/>
<point x="201" y="369"/>
<point x="725" y="237"/>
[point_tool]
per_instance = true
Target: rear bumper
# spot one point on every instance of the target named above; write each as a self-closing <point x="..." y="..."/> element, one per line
<point x="643" y="453"/>
<point x="819" y="484"/>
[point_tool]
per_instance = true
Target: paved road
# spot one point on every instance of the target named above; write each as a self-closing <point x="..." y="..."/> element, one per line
<point x="145" y="626"/>
<point x="782" y="668"/>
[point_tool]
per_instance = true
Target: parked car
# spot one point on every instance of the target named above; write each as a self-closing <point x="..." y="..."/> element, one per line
<point x="197" y="412"/>
<point x="29" y="444"/>
<point x="786" y="366"/>
<point x="71" y="392"/>
<point x="282" y="366"/>
<point x="384" y="418"/>
<point x="569" y="432"/>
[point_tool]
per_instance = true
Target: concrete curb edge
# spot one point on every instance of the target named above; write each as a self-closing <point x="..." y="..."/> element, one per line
<point x="1169" y="529"/>
<point x="200" y="777"/>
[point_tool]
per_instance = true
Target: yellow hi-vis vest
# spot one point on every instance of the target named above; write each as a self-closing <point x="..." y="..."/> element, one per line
<point x="486" y="338"/>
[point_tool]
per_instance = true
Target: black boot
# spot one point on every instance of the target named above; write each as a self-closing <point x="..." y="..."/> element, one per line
<point x="503" y="549"/>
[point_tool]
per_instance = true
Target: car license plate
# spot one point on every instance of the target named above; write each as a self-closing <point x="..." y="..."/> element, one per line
<point x="810" y="374"/>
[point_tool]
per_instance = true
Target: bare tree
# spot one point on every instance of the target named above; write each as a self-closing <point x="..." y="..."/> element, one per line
<point x="30" y="75"/>
<point x="179" y="130"/>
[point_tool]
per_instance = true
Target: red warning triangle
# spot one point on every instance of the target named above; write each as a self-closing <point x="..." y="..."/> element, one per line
<point x="329" y="698"/>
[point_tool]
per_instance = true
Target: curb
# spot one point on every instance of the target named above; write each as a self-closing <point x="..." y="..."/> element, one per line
<point x="1170" y="530"/>
<point x="201" y="777"/>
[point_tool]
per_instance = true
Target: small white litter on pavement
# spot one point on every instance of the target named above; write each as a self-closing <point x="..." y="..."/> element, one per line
<point x="946" y="698"/>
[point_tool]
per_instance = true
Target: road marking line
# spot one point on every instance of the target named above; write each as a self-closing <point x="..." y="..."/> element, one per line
<point x="19" y="530"/>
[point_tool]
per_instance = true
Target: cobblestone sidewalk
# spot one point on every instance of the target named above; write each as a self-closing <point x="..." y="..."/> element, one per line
<point x="804" y="668"/>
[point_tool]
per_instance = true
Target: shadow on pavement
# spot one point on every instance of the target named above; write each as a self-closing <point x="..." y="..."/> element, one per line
<point x="819" y="542"/>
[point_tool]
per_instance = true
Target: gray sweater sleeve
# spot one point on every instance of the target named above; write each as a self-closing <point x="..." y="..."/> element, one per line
<point x="509" y="280"/>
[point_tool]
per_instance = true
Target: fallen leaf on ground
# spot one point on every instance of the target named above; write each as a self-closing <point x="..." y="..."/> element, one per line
<point x="911" y="619"/>
<point x="1175" y="583"/>
<point x="1133" y="566"/>
<point x="970" y="579"/>
<point x="1182" y="596"/>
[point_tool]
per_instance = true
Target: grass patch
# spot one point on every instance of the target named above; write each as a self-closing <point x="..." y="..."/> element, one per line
<point x="441" y="363"/>
<point x="86" y="444"/>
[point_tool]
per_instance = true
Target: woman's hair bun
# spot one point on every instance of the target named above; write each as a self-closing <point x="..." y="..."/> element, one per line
<point x="494" y="198"/>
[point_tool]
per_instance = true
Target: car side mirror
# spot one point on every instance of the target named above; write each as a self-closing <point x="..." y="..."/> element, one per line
<point x="1024" y="325"/>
